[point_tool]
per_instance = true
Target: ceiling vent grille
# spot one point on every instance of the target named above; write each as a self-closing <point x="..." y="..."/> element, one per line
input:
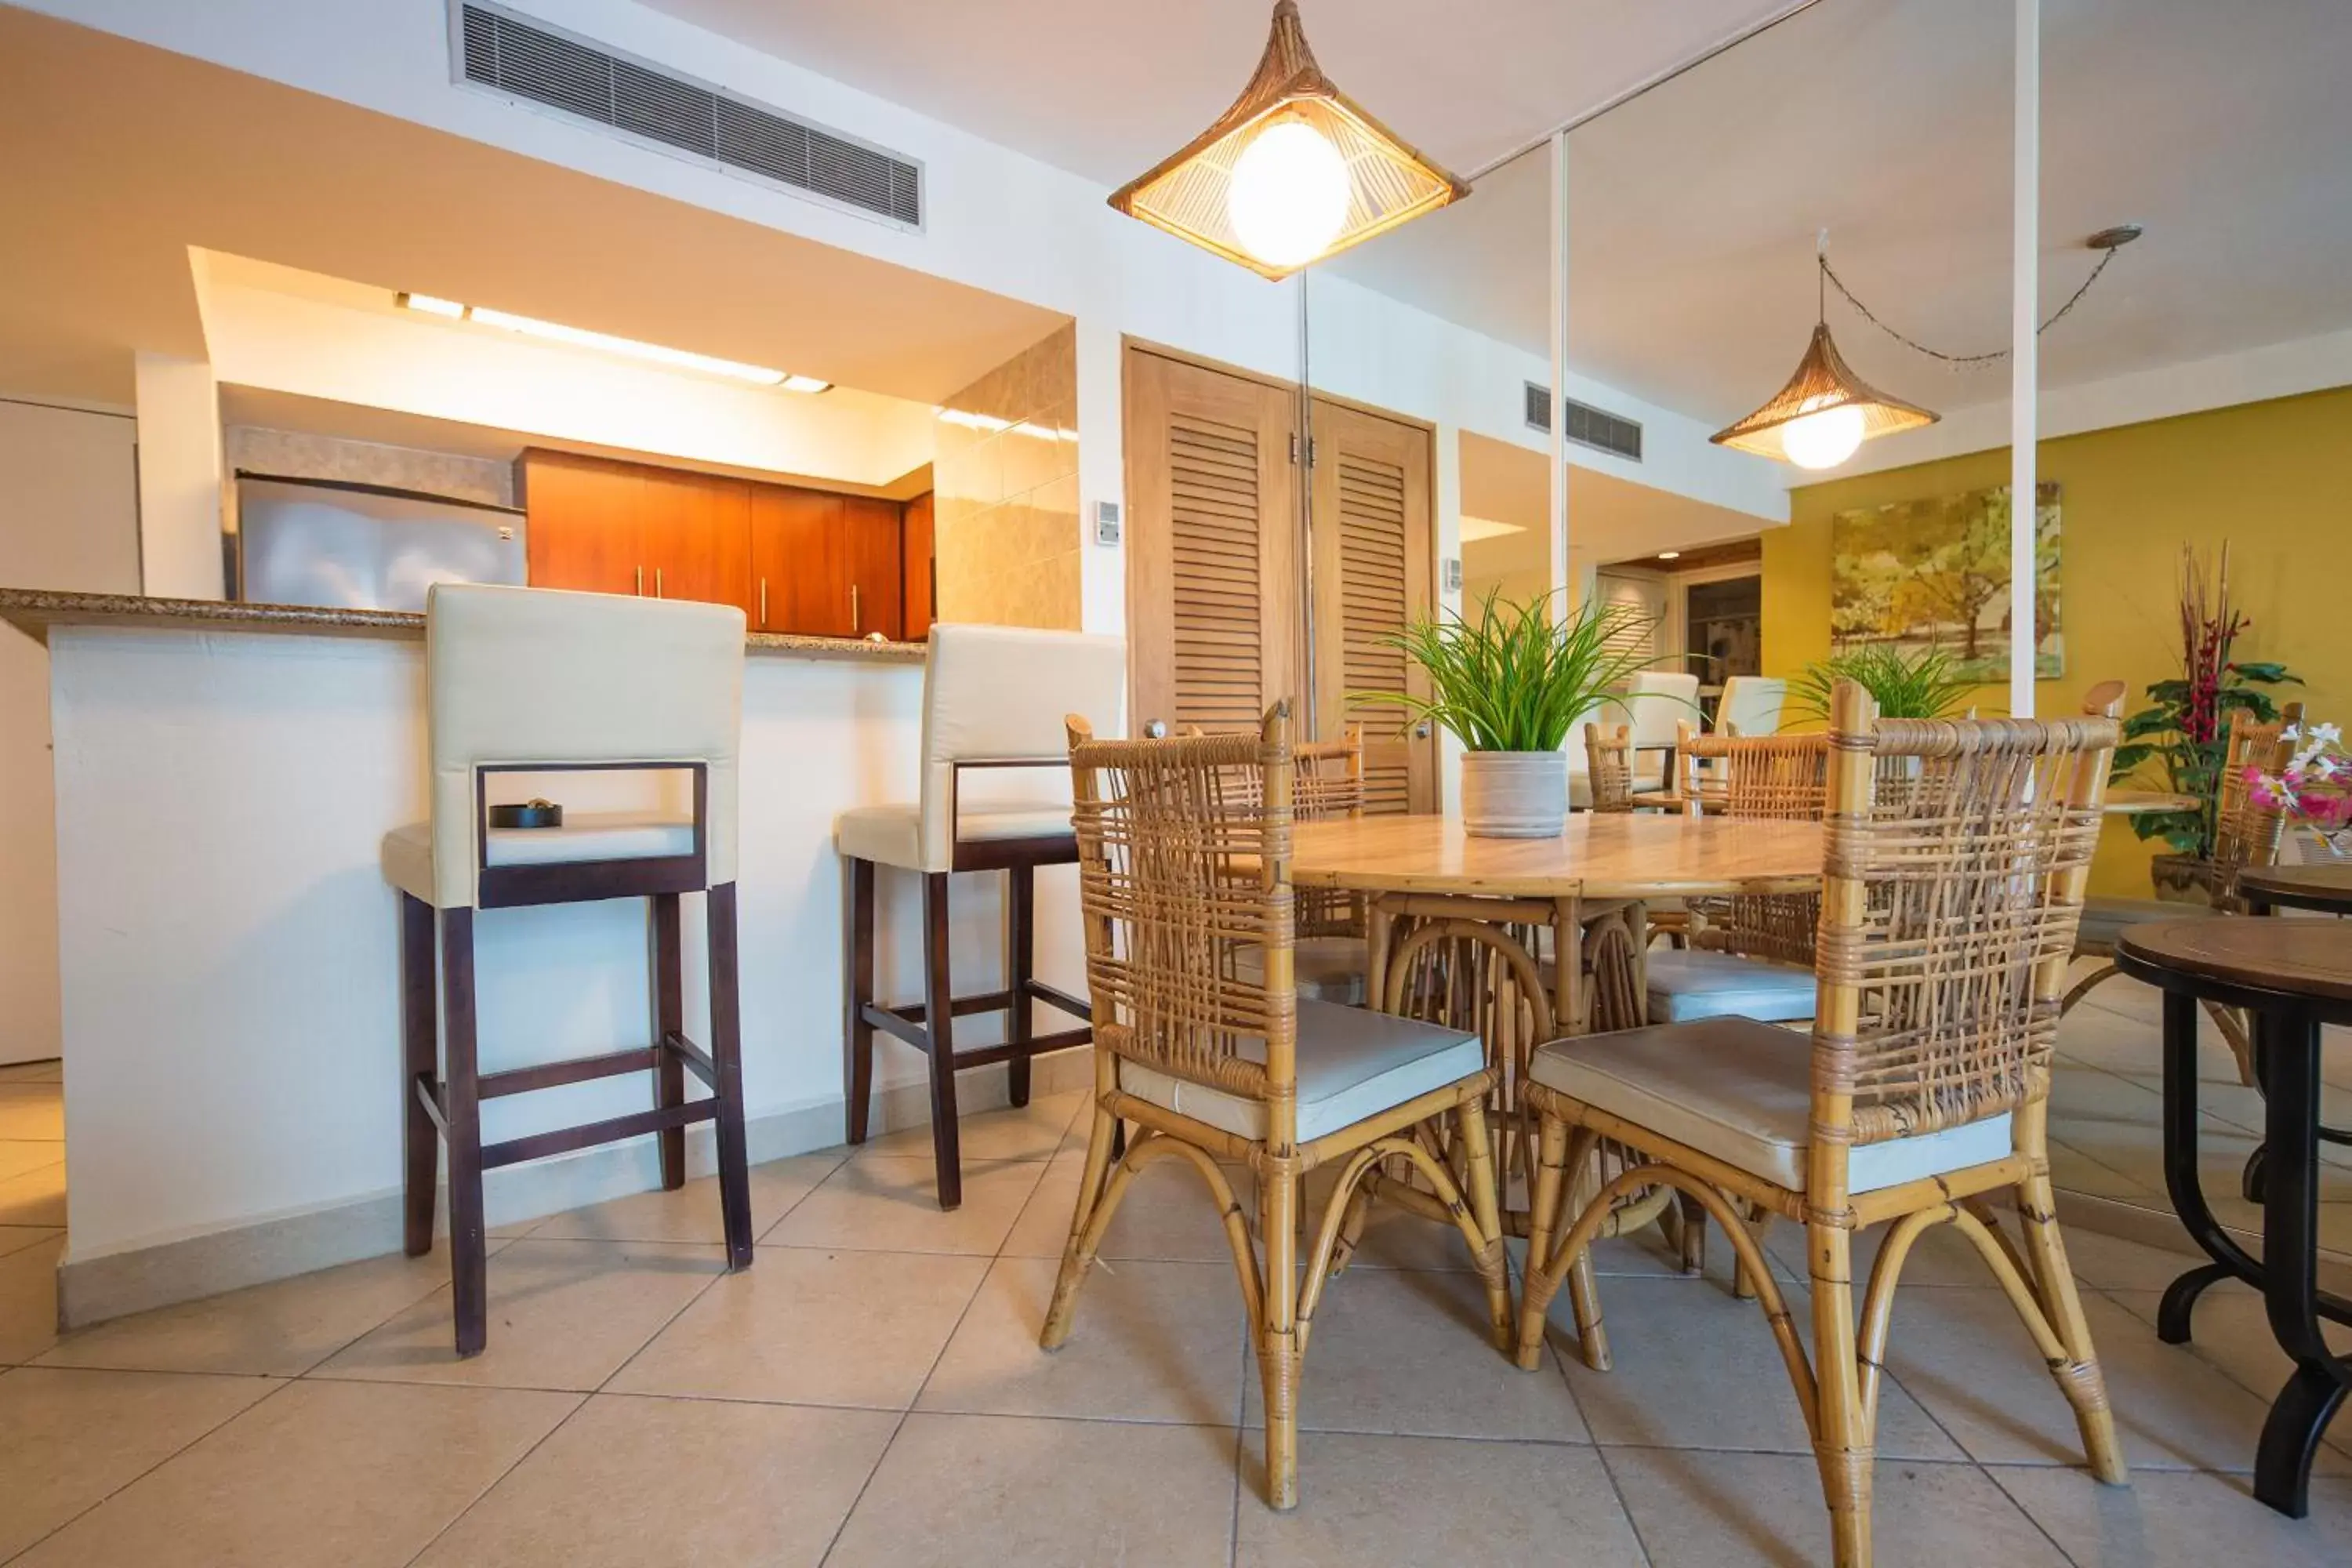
<point x="506" y="54"/>
<point x="1587" y="426"/>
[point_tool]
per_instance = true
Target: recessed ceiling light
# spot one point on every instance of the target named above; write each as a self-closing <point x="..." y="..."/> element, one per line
<point x="1670" y="555"/>
<point x="606" y="343"/>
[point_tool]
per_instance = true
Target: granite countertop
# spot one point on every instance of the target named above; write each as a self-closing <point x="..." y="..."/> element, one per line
<point x="35" y="610"/>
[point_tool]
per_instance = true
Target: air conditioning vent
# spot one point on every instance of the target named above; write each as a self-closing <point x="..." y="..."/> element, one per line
<point x="501" y="51"/>
<point x="1587" y="426"/>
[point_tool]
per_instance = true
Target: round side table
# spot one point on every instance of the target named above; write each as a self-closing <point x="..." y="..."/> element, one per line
<point x="2291" y="978"/>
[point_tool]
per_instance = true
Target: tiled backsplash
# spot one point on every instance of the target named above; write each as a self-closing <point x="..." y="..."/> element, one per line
<point x="299" y="456"/>
<point x="1006" y="491"/>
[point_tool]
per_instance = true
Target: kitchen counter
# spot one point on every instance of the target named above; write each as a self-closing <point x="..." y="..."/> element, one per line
<point x="34" y="611"/>
<point x="228" y="952"/>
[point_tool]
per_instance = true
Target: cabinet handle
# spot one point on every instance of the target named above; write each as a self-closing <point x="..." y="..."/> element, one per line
<point x="641" y="581"/>
<point x="763" y="601"/>
<point x="854" y="624"/>
<point x="657" y="589"/>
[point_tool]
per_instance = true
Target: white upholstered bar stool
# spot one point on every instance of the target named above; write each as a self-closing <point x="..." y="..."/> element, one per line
<point x="533" y="682"/>
<point x="994" y="796"/>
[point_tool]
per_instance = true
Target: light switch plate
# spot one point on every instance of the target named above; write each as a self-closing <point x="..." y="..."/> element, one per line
<point x="1107" y="522"/>
<point x="1453" y="573"/>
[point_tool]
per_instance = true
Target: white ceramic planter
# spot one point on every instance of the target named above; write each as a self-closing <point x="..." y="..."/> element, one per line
<point x="1514" y="794"/>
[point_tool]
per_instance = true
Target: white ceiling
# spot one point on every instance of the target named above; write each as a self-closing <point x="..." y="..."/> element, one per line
<point x="116" y="158"/>
<point x="2222" y="127"/>
<point x="1107" y="88"/>
<point x="2219" y="123"/>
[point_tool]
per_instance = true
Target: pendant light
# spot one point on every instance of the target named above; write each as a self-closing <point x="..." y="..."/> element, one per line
<point x="1292" y="172"/>
<point x="1825" y="411"/>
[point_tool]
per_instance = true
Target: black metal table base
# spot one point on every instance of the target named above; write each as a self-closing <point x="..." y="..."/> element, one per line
<point x="2287" y="1035"/>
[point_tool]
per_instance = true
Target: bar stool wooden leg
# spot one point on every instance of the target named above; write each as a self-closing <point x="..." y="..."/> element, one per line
<point x="857" y="989"/>
<point x="938" y="1027"/>
<point x="1020" y="960"/>
<point x="469" y="1266"/>
<point x="727" y="1065"/>
<point x="420" y="1069"/>
<point x="669" y="1022"/>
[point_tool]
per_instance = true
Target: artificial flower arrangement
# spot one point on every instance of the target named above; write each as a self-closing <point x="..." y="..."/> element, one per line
<point x="2315" y="788"/>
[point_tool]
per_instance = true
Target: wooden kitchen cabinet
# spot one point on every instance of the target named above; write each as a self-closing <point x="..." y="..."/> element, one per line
<point x="698" y="537"/>
<point x="799" y="563"/>
<point x="916" y="601"/>
<point x="794" y="560"/>
<point x="871" y="530"/>
<point x="584" y="524"/>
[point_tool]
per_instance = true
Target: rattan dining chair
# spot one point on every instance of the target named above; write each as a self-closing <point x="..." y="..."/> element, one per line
<point x="1945" y="925"/>
<point x="1179" y="868"/>
<point x="1331" y="958"/>
<point x="2246" y="833"/>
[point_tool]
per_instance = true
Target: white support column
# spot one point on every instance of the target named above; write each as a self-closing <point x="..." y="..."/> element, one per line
<point x="2025" y="232"/>
<point x="1558" y="551"/>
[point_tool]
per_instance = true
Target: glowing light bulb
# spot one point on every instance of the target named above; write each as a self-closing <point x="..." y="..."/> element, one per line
<point x="1822" y="439"/>
<point x="1289" y="193"/>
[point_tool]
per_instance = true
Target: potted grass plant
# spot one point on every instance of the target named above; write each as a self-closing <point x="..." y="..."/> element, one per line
<point x="1509" y="680"/>
<point x="1925" y="684"/>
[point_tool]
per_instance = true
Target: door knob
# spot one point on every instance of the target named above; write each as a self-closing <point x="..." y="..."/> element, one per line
<point x="1420" y="730"/>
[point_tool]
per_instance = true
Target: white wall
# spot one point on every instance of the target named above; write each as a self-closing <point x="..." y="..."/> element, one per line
<point x="179" y="478"/>
<point x="70" y="520"/>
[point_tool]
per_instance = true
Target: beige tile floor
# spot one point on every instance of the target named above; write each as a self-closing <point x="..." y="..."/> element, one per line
<point x="871" y="1392"/>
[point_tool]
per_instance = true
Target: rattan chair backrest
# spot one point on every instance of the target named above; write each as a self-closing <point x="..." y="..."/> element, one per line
<point x="1609" y="765"/>
<point x="1947" y="920"/>
<point x="1776" y="778"/>
<point x="2246" y="832"/>
<point x="1184" y="854"/>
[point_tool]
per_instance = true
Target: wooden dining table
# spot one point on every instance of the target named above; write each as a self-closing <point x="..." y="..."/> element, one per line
<point x="1430" y="866"/>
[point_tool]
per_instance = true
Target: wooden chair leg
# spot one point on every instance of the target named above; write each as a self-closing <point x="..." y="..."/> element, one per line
<point x="420" y="1069"/>
<point x="1077" y="1258"/>
<point x="1020" y="965"/>
<point x="727" y="1064"/>
<point x="1478" y="1184"/>
<point x="856" y="990"/>
<point x="468" y="1260"/>
<point x="1691" y="1240"/>
<point x="669" y="1020"/>
<point x="1841" y="1439"/>
<point x="2239" y="1037"/>
<point x="1279" y="1359"/>
<point x="2078" y="1375"/>
<point x="938" y="1023"/>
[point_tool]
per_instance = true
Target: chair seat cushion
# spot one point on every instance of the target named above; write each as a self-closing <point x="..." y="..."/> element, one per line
<point x="1352" y="1064"/>
<point x="893" y="834"/>
<point x="1697" y="984"/>
<point x="1322" y="968"/>
<point x="1740" y="1091"/>
<point x="584" y="835"/>
<point x="2104" y="919"/>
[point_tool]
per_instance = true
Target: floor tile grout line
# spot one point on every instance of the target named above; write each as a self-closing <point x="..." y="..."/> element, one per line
<point x="579" y="1404"/>
<point x="237" y="1414"/>
<point x="2018" y="1503"/>
<point x="883" y="1456"/>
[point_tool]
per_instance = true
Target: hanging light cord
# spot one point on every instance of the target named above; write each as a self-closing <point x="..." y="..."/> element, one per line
<point x="1959" y="361"/>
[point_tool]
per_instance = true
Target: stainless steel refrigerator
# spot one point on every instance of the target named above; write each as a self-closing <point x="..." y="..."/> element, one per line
<point x="353" y="546"/>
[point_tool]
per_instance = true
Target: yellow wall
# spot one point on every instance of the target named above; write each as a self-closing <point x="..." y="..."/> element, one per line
<point x="2274" y="479"/>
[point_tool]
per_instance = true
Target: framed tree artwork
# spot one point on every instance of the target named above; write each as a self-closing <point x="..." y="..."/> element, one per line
<point x="1934" y="573"/>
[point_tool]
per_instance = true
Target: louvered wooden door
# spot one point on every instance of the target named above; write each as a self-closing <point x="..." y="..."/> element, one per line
<point x="1213" y="556"/>
<point x="1371" y="575"/>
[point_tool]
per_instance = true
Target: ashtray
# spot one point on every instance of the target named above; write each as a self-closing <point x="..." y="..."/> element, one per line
<point x="529" y="813"/>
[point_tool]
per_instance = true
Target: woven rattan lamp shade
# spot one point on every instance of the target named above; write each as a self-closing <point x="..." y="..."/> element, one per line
<point x="1389" y="183"/>
<point x="1822" y="382"/>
